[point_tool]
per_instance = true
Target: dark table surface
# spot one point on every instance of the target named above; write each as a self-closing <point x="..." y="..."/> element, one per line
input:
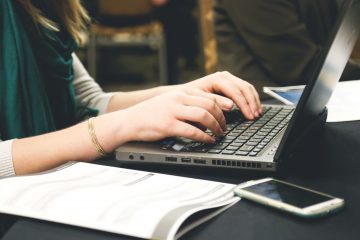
<point x="334" y="168"/>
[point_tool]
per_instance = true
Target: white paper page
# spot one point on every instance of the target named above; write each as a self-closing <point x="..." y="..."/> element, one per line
<point x="111" y="199"/>
<point x="344" y="104"/>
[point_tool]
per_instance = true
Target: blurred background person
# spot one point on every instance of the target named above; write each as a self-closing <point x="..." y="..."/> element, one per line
<point x="273" y="42"/>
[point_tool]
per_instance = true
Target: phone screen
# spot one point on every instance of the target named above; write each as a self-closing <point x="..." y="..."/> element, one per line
<point x="292" y="95"/>
<point x="287" y="193"/>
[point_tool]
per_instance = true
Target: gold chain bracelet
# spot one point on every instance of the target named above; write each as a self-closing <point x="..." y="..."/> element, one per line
<point x="94" y="139"/>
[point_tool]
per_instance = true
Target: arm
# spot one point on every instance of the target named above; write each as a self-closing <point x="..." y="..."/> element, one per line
<point x="168" y="114"/>
<point x="39" y="153"/>
<point x="90" y="94"/>
<point x="122" y="100"/>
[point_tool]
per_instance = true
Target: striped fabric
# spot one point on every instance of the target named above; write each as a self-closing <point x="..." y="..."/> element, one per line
<point x="6" y="163"/>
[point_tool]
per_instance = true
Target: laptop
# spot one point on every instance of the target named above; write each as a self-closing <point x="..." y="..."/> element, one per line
<point x="270" y="141"/>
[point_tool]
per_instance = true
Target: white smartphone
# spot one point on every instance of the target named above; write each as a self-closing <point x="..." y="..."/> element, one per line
<point x="289" y="197"/>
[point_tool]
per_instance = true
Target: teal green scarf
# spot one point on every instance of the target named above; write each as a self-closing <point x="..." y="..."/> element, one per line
<point x="36" y="74"/>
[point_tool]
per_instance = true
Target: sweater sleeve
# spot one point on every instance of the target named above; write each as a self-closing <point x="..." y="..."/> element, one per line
<point x="6" y="162"/>
<point x="88" y="92"/>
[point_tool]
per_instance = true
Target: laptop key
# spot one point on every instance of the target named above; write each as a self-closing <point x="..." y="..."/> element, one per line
<point x="253" y="154"/>
<point x="232" y="148"/>
<point x="201" y="150"/>
<point x="228" y="152"/>
<point x="237" y="145"/>
<point x="242" y="153"/>
<point x="252" y="143"/>
<point x="246" y="148"/>
<point x="220" y="146"/>
<point x="216" y="151"/>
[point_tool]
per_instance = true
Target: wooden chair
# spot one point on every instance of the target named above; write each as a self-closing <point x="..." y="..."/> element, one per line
<point x="149" y="34"/>
<point x="207" y="36"/>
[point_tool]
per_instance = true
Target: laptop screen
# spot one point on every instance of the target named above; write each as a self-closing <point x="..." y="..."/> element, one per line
<point x="323" y="76"/>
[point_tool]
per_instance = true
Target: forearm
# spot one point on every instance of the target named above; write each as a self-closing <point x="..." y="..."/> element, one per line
<point x="124" y="100"/>
<point x="50" y="150"/>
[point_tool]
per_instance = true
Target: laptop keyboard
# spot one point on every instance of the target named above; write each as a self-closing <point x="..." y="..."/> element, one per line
<point x="242" y="137"/>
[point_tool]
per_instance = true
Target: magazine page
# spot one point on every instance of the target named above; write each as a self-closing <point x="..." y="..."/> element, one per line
<point x="117" y="200"/>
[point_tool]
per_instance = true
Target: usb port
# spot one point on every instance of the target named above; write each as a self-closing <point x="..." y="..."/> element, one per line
<point x="186" y="160"/>
<point x="199" y="161"/>
<point x="171" y="159"/>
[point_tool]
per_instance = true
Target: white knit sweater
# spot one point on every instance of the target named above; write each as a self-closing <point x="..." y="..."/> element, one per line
<point x="88" y="93"/>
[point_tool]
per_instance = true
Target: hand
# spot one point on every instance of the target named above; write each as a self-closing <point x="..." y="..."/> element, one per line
<point x="241" y="92"/>
<point x="178" y="113"/>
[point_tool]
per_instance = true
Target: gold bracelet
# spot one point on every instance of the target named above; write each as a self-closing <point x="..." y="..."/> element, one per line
<point x="94" y="139"/>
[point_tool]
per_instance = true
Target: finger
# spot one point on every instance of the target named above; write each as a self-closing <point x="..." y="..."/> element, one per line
<point x="183" y="129"/>
<point x="250" y="99"/>
<point x="208" y="104"/>
<point x="244" y="106"/>
<point x="202" y="116"/>
<point x="198" y="125"/>
<point x="226" y="104"/>
<point x="231" y="90"/>
<point x="258" y="102"/>
<point x="247" y="91"/>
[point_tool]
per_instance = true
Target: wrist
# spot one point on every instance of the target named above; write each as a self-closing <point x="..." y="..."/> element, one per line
<point x="111" y="130"/>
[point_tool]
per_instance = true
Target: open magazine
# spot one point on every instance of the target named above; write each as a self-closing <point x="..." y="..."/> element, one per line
<point x="135" y="203"/>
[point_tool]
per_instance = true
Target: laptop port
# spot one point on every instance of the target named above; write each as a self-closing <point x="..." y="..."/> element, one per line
<point x="170" y="159"/>
<point x="131" y="157"/>
<point x="186" y="160"/>
<point x="199" y="161"/>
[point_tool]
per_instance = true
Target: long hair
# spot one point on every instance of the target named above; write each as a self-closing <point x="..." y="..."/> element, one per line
<point x="73" y="15"/>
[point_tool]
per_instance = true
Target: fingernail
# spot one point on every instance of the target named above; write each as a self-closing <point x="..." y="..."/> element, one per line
<point x="229" y="103"/>
<point x="221" y="133"/>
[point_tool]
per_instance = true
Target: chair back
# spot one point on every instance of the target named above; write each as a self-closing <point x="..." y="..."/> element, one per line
<point x="207" y="33"/>
<point x="124" y="7"/>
